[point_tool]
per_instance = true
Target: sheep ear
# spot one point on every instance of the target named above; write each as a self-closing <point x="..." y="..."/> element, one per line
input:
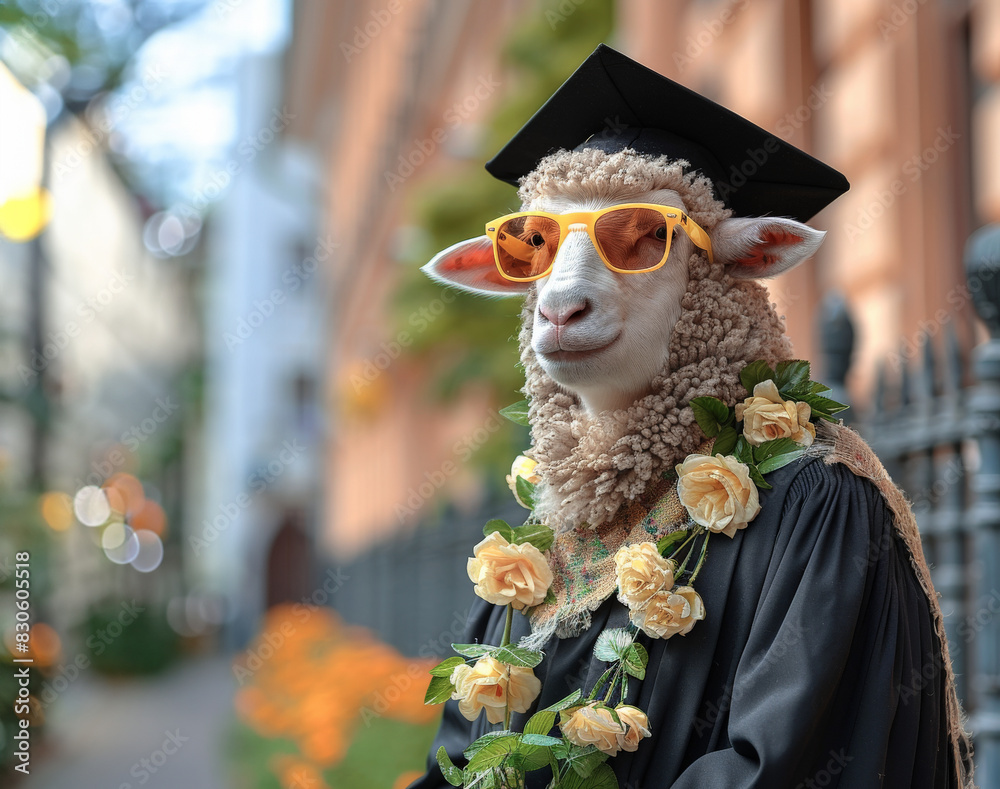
<point x="763" y="247"/>
<point x="470" y="266"/>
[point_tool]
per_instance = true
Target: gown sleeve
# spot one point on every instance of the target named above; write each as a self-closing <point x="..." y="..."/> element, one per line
<point x="840" y="681"/>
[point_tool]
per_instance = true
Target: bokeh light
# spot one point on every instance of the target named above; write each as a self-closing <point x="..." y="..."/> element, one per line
<point x="91" y="506"/>
<point x="130" y="490"/>
<point x="57" y="510"/>
<point x="120" y="543"/>
<point x="23" y="218"/>
<point x="46" y="646"/>
<point x="150" y="553"/>
<point x="151" y="518"/>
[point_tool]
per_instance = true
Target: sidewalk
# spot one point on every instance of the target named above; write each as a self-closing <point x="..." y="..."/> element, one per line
<point x="165" y="732"/>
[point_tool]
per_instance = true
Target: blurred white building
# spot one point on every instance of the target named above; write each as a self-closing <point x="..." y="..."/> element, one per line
<point x="264" y="346"/>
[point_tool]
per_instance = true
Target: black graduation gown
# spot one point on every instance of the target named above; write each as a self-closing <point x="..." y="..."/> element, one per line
<point x="817" y="664"/>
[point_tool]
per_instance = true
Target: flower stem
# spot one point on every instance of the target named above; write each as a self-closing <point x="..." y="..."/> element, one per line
<point x="504" y="642"/>
<point x="680" y="570"/>
<point x="701" y="559"/>
<point x="680" y="547"/>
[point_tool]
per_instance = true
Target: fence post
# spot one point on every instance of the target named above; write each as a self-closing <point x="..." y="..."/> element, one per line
<point x="982" y="264"/>
<point x="836" y="339"/>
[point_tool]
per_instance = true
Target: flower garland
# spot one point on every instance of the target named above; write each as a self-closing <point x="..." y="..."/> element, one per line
<point x="720" y="492"/>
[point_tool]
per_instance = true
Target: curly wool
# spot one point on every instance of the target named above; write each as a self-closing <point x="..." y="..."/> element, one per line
<point x="591" y="465"/>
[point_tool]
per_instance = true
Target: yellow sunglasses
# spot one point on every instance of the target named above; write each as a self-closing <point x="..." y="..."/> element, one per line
<point x="631" y="239"/>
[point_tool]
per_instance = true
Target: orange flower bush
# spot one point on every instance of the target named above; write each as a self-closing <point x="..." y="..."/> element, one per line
<point x="313" y="680"/>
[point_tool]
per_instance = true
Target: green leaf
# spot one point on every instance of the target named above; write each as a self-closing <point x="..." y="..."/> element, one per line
<point x="472" y="650"/>
<point x="517" y="656"/>
<point x="483" y="741"/>
<point x="537" y="534"/>
<point x="612" y="644"/>
<point x="445" y="667"/>
<point x="541" y="722"/>
<point x="823" y="407"/>
<point x="451" y="773"/>
<point x="525" y="491"/>
<point x="791" y="373"/>
<point x="494" y="753"/>
<point x="754" y="373"/>
<point x="743" y="452"/>
<point x="805" y="388"/>
<point x="635" y="661"/>
<point x="758" y="478"/>
<point x="505" y="529"/>
<point x="778" y="446"/>
<point x="439" y="691"/>
<point x="516" y="412"/>
<point x="540" y="739"/>
<point x="530" y="757"/>
<point x="562" y="704"/>
<point x="726" y="441"/>
<point x="710" y="413"/>
<point x="665" y="542"/>
<point x="773" y="464"/>
<point x="585" y="761"/>
<point x="603" y="777"/>
<point x="550" y="598"/>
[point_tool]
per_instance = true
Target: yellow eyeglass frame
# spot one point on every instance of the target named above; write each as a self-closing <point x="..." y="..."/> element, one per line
<point x="580" y="220"/>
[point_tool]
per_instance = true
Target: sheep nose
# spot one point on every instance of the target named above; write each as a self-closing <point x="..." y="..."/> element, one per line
<point x="562" y="314"/>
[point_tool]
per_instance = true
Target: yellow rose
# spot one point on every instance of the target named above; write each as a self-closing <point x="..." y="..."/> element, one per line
<point x="637" y="725"/>
<point x="766" y="416"/>
<point x="670" y="613"/>
<point x="505" y="573"/>
<point x="491" y="685"/>
<point x="593" y="725"/>
<point x="642" y="572"/>
<point x="522" y="467"/>
<point x="717" y="492"/>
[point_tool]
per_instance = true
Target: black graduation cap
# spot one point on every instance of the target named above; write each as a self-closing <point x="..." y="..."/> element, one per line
<point x="612" y="102"/>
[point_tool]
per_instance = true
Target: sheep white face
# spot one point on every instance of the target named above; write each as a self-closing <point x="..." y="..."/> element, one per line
<point x="603" y="335"/>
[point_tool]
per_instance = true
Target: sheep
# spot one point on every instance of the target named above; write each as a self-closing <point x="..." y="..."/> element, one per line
<point x="613" y="361"/>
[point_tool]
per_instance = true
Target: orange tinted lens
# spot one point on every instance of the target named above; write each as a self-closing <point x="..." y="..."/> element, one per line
<point x="633" y="239"/>
<point x="526" y="246"/>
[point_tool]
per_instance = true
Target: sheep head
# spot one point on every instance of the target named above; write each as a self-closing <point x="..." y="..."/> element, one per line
<point x="603" y="336"/>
